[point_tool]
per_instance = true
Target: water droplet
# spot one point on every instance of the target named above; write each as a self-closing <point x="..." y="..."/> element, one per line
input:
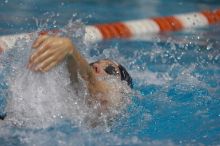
<point x="209" y="46"/>
<point x="210" y="56"/>
<point x="134" y="139"/>
<point x="74" y="15"/>
<point x="20" y="99"/>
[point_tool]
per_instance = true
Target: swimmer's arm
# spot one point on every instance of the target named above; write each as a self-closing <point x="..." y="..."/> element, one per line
<point x="76" y="62"/>
<point x="51" y="50"/>
<point x="72" y="68"/>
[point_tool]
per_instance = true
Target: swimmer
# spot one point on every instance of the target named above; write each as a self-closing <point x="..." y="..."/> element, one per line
<point x="51" y="50"/>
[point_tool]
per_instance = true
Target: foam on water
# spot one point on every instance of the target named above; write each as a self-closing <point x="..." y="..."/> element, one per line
<point x="39" y="99"/>
<point x="73" y="136"/>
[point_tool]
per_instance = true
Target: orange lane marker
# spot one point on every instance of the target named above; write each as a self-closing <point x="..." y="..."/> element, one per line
<point x="114" y="30"/>
<point x="132" y="28"/>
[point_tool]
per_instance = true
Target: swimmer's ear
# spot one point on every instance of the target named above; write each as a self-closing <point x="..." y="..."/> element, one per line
<point x="39" y="40"/>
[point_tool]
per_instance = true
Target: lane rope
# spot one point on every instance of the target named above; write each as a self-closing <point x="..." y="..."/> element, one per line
<point x="132" y="28"/>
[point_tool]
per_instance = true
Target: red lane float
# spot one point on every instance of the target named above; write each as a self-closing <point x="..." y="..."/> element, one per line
<point x="133" y="28"/>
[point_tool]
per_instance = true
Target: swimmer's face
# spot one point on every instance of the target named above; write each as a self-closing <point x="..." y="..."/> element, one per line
<point x="105" y="67"/>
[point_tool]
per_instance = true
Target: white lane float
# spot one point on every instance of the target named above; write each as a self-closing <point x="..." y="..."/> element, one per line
<point x="133" y="28"/>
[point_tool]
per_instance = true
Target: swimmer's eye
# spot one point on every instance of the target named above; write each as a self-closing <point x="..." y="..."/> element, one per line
<point x="111" y="70"/>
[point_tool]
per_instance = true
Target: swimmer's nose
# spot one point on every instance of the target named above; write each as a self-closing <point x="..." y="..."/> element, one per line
<point x="97" y="68"/>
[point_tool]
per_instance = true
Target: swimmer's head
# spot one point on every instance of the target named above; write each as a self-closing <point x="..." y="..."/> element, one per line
<point x="107" y="67"/>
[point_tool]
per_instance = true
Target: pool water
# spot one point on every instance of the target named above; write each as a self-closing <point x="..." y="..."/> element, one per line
<point x="176" y="76"/>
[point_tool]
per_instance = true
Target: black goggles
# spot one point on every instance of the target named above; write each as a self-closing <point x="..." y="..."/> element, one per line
<point x="120" y="72"/>
<point x="110" y="69"/>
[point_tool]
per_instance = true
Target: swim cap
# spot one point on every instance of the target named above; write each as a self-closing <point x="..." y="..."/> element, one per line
<point x="125" y="75"/>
